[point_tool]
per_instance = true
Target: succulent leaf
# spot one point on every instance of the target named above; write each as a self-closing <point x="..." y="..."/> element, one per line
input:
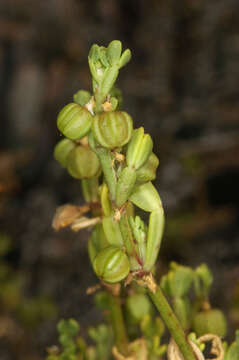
<point x="125" y="185"/>
<point x="146" y="197"/>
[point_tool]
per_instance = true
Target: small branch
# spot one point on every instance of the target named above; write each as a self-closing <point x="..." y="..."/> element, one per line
<point x="117" y="320"/>
<point x="172" y="323"/>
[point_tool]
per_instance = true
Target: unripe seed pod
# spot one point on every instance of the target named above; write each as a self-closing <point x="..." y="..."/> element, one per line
<point x="125" y="185"/>
<point x="210" y="322"/>
<point x="139" y="148"/>
<point x="154" y="236"/>
<point x="62" y="151"/>
<point x="111" y="264"/>
<point x="112" y="129"/>
<point x="83" y="163"/>
<point x="74" y="121"/>
<point x="147" y="172"/>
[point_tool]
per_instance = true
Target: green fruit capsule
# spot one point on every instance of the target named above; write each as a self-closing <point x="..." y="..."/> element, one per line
<point x="83" y="163"/>
<point x="210" y="322"/>
<point x="147" y="172"/>
<point x="74" y="121"/>
<point x="125" y="185"/>
<point x="112" y="129"/>
<point x="154" y="237"/>
<point x="146" y="197"/>
<point x="139" y="148"/>
<point x="62" y="151"/>
<point x="111" y="264"/>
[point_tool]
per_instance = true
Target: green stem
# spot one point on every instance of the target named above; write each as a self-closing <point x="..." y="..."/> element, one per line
<point x="117" y="321"/>
<point x="172" y="323"/>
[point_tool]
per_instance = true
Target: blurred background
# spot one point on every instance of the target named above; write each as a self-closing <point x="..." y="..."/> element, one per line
<point x="181" y="85"/>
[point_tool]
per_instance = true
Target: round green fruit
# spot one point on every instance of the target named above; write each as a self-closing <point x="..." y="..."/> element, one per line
<point x="83" y="163"/>
<point x="111" y="264"/>
<point x="74" y="121"/>
<point x="112" y="129"/>
<point x="62" y="151"/>
<point x="210" y="322"/>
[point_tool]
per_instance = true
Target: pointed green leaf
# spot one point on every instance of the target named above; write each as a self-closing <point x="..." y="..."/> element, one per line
<point x="146" y="197"/>
<point x="154" y="237"/>
<point x="125" y="58"/>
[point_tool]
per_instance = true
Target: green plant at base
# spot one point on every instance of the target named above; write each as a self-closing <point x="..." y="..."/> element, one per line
<point x="123" y="248"/>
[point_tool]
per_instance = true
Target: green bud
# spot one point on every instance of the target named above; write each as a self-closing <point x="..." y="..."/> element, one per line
<point x="180" y="279"/>
<point x="125" y="185"/>
<point x="210" y="322"/>
<point x="112" y="231"/>
<point x="82" y="97"/>
<point x="139" y="148"/>
<point x="112" y="129"/>
<point x="138" y="305"/>
<point x="154" y="237"/>
<point x="114" y="102"/>
<point x="125" y="58"/>
<point x="69" y="327"/>
<point x="94" y="53"/>
<point x="233" y="350"/>
<point x="117" y="94"/>
<point x="83" y="163"/>
<point x="203" y="280"/>
<point x="111" y="264"/>
<point x="74" y="121"/>
<point x="114" y="51"/>
<point x="103" y="57"/>
<point x="62" y="151"/>
<point x="147" y="172"/>
<point x="146" y="197"/>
